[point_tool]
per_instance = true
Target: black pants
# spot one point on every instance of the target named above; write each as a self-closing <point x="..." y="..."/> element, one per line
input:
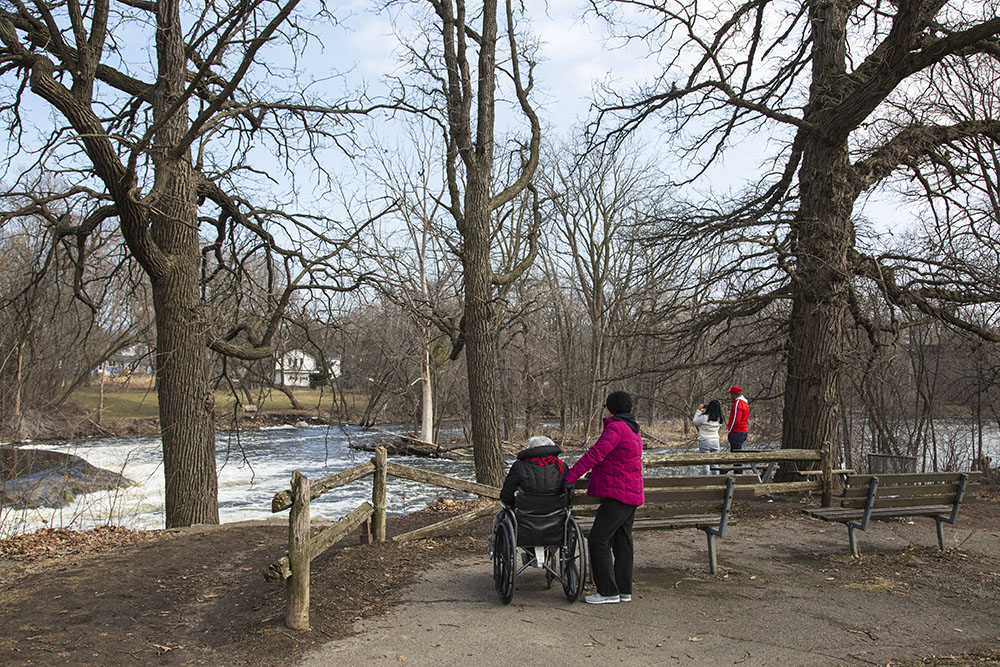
<point x="610" y="535"/>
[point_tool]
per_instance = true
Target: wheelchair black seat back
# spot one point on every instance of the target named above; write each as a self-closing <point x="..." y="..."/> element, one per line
<point x="540" y="519"/>
<point x="549" y="538"/>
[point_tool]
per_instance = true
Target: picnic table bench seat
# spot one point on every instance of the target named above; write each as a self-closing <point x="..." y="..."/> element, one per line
<point x="701" y="502"/>
<point x="866" y="497"/>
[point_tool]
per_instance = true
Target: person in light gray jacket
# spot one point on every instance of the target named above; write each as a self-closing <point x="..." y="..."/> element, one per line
<point x="708" y="419"/>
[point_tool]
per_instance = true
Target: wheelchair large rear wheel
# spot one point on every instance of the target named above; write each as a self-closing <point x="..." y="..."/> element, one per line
<point x="551" y="565"/>
<point x="573" y="562"/>
<point x="504" y="568"/>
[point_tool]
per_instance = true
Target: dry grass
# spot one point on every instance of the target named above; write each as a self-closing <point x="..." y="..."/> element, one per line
<point x="879" y="585"/>
<point x="130" y="400"/>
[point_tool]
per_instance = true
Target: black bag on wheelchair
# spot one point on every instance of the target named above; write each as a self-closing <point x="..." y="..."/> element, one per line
<point x="541" y="518"/>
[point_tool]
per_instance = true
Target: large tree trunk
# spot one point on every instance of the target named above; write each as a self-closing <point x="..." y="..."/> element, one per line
<point x="816" y="337"/>
<point x="186" y="403"/>
<point x="823" y="237"/>
<point x="480" y="330"/>
<point x="816" y="328"/>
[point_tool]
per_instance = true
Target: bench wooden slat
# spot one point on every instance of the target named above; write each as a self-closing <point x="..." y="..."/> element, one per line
<point x="933" y="489"/>
<point x="692" y="480"/>
<point x="844" y="514"/>
<point x="683" y="493"/>
<point x="658" y="511"/>
<point x="913" y="478"/>
<point x="902" y="503"/>
<point x="687" y="521"/>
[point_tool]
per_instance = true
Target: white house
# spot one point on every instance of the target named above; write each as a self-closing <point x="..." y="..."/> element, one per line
<point x="293" y="368"/>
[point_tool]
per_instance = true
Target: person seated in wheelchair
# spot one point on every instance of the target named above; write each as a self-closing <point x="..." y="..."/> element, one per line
<point x="534" y="490"/>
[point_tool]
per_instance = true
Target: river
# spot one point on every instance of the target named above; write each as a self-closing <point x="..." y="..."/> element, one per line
<point x="252" y="467"/>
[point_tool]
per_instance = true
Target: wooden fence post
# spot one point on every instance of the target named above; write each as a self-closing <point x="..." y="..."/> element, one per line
<point x="379" y="483"/>
<point x="826" y="464"/>
<point x="297" y="617"/>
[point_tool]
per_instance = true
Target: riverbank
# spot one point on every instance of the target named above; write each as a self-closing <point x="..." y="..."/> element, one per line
<point x="786" y="593"/>
<point x="74" y="423"/>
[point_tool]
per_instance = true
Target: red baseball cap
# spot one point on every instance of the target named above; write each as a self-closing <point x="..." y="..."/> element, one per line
<point x="735" y="390"/>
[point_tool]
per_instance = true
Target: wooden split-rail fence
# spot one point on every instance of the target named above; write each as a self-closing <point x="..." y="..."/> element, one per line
<point x="303" y="547"/>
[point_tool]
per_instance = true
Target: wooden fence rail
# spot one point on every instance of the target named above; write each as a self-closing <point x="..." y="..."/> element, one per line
<point x="304" y="547"/>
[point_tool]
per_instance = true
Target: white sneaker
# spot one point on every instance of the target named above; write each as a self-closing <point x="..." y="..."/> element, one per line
<point x="597" y="598"/>
<point x="625" y="597"/>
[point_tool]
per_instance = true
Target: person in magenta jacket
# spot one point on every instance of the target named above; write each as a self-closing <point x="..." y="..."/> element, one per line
<point x="615" y="462"/>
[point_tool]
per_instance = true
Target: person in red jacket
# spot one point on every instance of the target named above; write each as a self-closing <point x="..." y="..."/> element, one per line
<point x="616" y="478"/>
<point x="739" y="420"/>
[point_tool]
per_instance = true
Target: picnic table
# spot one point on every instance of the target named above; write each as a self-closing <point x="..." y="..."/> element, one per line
<point x="763" y="471"/>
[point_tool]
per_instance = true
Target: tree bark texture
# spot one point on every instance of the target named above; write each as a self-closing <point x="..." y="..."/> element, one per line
<point x="480" y="333"/>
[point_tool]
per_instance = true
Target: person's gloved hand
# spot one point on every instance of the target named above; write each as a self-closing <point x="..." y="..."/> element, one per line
<point x="568" y="492"/>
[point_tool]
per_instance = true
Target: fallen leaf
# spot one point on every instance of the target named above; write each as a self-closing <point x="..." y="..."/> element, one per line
<point x="695" y="639"/>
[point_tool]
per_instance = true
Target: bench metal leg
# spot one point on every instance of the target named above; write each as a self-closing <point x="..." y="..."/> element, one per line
<point x="711" y="552"/>
<point x="939" y="520"/>
<point x="853" y="541"/>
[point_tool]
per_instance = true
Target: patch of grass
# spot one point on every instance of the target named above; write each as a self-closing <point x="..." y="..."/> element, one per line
<point x="130" y="401"/>
<point x="878" y="585"/>
<point x="119" y="403"/>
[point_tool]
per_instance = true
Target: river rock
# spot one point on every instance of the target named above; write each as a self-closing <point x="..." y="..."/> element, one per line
<point x="32" y="478"/>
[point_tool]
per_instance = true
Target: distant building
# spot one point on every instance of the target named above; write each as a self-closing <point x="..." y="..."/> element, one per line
<point x="132" y="360"/>
<point x="294" y="368"/>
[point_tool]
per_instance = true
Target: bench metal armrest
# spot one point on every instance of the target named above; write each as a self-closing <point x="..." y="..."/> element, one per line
<point x="869" y="504"/>
<point x="950" y="520"/>
<point x="939" y="520"/>
<point x="727" y="503"/>
<point x="863" y="524"/>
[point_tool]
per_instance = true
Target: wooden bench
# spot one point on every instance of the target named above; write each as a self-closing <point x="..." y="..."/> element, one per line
<point x="701" y="502"/>
<point x="865" y="497"/>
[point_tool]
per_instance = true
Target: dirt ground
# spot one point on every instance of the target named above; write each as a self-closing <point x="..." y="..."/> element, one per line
<point x="198" y="596"/>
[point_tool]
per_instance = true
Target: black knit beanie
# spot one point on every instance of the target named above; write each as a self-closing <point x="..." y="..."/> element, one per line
<point x="619" y="402"/>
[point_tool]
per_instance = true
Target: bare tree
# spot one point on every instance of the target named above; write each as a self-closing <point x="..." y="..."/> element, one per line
<point x="597" y="202"/>
<point x="463" y="69"/>
<point x="60" y="320"/>
<point x="161" y="150"/>
<point x="853" y="94"/>
<point x="417" y="270"/>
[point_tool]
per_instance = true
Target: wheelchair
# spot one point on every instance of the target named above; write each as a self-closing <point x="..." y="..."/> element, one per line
<point x="542" y="529"/>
